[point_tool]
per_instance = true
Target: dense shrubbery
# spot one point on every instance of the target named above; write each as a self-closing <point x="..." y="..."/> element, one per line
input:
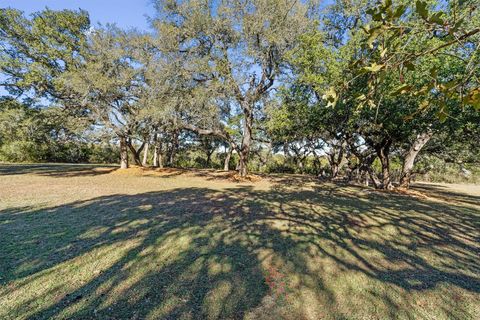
<point x="434" y="169"/>
<point x="51" y="151"/>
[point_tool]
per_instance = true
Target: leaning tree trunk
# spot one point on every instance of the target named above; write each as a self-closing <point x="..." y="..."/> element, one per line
<point x="209" y="159"/>
<point x="227" y="159"/>
<point x="136" y="153"/>
<point x="377" y="184"/>
<point x="123" y="153"/>
<point x="411" y="155"/>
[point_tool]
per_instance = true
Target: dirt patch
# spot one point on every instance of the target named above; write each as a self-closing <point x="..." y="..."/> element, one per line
<point x="210" y="174"/>
<point x="148" y="171"/>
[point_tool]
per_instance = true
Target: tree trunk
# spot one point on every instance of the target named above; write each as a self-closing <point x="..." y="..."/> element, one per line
<point x="157" y="152"/>
<point x="264" y="160"/>
<point x="209" y="159"/>
<point x="227" y="159"/>
<point x="383" y="153"/>
<point x="145" y="155"/>
<point x="246" y="141"/>
<point x="334" y="168"/>
<point x="173" y="151"/>
<point x="136" y="153"/>
<point x="286" y="153"/>
<point x="242" y="165"/>
<point x="385" y="161"/>
<point x="123" y="153"/>
<point x="411" y="155"/>
<point x="336" y="158"/>
<point x="157" y="157"/>
<point x="373" y="176"/>
<point x="301" y="166"/>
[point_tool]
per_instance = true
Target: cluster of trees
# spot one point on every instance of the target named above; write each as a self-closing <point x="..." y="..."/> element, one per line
<point x="357" y="83"/>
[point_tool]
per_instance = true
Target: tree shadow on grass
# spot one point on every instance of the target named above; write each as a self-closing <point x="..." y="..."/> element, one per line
<point x="56" y="170"/>
<point x="445" y="194"/>
<point x="200" y="253"/>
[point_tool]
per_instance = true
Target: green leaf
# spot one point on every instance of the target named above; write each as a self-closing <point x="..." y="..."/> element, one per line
<point x="437" y="18"/>
<point x="376" y="14"/>
<point x="409" y="65"/>
<point x="421" y="8"/>
<point x="473" y="99"/>
<point x="442" y="115"/>
<point x="374" y="33"/>
<point x="456" y="26"/>
<point x="402" y="89"/>
<point x="331" y="97"/>
<point x="399" y="11"/>
<point x="361" y="97"/>
<point x="383" y="52"/>
<point x="424" y="105"/>
<point x="374" y="67"/>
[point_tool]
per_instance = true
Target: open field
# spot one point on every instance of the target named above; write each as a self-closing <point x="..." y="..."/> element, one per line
<point x="86" y="242"/>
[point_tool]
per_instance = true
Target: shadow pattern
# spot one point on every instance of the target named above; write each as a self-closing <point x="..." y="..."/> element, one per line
<point x="198" y="253"/>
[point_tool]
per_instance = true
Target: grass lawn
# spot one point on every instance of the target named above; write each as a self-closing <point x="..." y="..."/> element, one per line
<point x="83" y="242"/>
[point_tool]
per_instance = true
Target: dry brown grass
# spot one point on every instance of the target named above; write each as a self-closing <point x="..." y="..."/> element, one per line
<point x="168" y="172"/>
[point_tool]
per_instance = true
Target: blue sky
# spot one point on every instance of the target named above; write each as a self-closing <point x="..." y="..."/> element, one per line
<point x="125" y="13"/>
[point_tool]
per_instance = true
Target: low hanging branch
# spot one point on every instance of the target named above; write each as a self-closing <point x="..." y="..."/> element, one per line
<point x="221" y="133"/>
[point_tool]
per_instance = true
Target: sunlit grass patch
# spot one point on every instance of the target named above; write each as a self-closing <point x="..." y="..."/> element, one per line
<point x="193" y="248"/>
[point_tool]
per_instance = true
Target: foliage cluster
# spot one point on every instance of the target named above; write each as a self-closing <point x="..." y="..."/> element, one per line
<point x="349" y="90"/>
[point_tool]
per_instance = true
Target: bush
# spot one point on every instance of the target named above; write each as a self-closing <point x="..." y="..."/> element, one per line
<point x="23" y="151"/>
<point x="433" y="169"/>
<point x="103" y="153"/>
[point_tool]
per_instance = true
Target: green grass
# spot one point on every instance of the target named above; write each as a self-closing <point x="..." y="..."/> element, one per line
<point x="78" y="242"/>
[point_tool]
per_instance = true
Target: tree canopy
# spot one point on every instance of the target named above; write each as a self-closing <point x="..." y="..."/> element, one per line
<point x="347" y="90"/>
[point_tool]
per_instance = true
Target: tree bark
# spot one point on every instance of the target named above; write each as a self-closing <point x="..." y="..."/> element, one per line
<point x="242" y="165"/>
<point x="227" y="159"/>
<point x="156" y="151"/>
<point x="123" y="153"/>
<point x="383" y="153"/>
<point x="246" y="141"/>
<point x="145" y="155"/>
<point x="174" y="149"/>
<point x="334" y="168"/>
<point x="377" y="184"/>
<point x="136" y="153"/>
<point x="300" y="165"/>
<point x="365" y="161"/>
<point x="209" y="159"/>
<point x="410" y="156"/>
<point x="336" y="158"/>
<point x="157" y="157"/>
<point x="264" y="159"/>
